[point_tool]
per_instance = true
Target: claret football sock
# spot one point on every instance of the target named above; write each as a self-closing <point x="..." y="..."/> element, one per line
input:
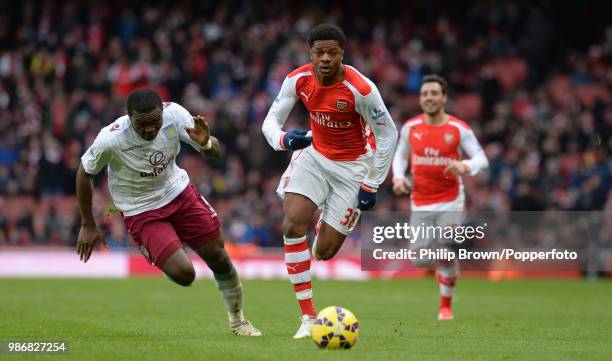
<point x="297" y="260"/>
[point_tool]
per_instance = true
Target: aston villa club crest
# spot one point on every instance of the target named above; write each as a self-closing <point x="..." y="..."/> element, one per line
<point x="449" y="137"/>
<point x="341" y="105"/>
<point x="171" y="133"/>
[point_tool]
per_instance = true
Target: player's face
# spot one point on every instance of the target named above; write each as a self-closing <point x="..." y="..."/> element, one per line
<point x="147" y="125"/>
<point x="326" y="57"/>
<point x="431" y="99"/>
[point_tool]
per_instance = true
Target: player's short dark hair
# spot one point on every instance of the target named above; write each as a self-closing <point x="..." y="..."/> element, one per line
<point x="435" y="78"/>
<point x="326" y="32"/>
<point x="143" y="100"/>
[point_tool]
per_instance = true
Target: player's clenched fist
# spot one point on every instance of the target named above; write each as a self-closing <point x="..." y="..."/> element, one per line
<point x="296" y="139"/>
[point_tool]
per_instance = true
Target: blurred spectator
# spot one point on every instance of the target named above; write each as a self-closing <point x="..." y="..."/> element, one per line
<point x="536" y="91"/>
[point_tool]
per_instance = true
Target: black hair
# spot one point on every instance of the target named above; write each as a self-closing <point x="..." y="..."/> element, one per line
<point x="143" y="100"/>
<point x="435" y="78"/>
<point x="326" y="32"/>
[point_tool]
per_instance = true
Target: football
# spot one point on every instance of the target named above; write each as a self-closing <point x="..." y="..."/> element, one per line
<point x="335" y="328"/>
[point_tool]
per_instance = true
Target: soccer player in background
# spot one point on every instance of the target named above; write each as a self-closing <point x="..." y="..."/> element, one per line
<point x="434" y="141"/>
<point x="341" y="171"/>
<point x="162" y="210"/>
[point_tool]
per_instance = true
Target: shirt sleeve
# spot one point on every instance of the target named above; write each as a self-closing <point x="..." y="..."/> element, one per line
<point x="98" y="155"/>
<point x="373" y="110"/>
<point x="402" y="153"/>
<point x="477" y="158"/>
<point x="183" y="119"/>
<point x="278" y="113"/>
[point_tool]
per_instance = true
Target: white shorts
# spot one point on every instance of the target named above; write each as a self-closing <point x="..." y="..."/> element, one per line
<point x="437" y="215"/>
<point x="331" y="185"/>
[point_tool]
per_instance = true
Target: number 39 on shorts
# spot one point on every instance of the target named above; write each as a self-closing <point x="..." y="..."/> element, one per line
<point x="350" y="218"/>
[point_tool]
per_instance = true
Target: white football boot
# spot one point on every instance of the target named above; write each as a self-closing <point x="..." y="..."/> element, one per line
<point x="305" y="328"/>
<point x="244" y="328"/>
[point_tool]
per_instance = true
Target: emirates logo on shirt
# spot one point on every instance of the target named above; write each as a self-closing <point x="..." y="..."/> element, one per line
<point x="325" y="119"/>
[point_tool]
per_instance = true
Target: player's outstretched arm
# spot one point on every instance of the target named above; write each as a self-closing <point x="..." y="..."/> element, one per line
<point x="200" y="133"/>
<point x="89" y="234"/>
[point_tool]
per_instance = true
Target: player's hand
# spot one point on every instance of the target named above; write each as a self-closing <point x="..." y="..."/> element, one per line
<point x="457" y="168"/>
<point x="366" y="197"/>
<point x="200" y="133"/>
<point x="296" y="139"/>
<point x="89" y="236"/>
<point x="402" y="185"/>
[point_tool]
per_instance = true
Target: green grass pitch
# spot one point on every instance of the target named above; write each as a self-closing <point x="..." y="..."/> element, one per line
<point x="153" y="319"/>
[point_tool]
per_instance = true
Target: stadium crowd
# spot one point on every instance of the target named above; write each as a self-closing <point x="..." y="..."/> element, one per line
<point x="536" y="92"/>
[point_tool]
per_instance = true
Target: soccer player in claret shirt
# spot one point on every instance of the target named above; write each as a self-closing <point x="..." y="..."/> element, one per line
<point x="162" y="210"/>
<point x="342" y="169"/>
<point x="434" y="141"/>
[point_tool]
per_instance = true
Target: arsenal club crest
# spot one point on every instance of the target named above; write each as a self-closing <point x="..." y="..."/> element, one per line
<point x="341" y="105"/>
<point x="449" y="137"/>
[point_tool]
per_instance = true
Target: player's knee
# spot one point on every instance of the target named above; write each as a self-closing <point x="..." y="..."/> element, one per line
<point x="219" y="257"/>
<point x="448" y="268"/>
<point x="325" y="253"/>
<point x="218" y="261"/>
<point x="292" y="228"/>
<point x="446" y="264"/>
<point x="184" y="275"/>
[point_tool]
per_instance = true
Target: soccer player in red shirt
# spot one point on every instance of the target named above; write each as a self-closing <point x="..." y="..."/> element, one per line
<point x="339" y="167"/>
<point x="434" y="141"/>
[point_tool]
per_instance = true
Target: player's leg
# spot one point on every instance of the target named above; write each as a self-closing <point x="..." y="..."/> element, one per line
<point x="340" y="212"/>
<point x="447" y="271"/>
<point x="421" y="218"/>
<point x="304" y="188"/>
<point x="198" y="225"/>
<point x="297" y="215"/>
<point x="158" y="242"/>
<point x="214" y="254"/>
<point x="178" y="267"/>
<point x="446" y="276"/>
<point x="329" y="241"/>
